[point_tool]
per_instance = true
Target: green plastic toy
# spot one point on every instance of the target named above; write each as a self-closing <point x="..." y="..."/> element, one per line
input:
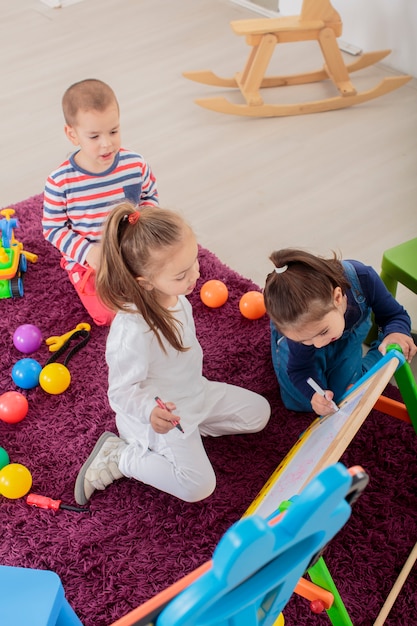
<point x="13" y="258"/>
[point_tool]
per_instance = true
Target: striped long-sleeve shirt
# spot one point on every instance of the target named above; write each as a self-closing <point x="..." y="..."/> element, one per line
<point x="77" y="202"/>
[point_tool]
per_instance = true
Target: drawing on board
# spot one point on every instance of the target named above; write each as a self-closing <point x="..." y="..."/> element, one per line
<point x="325" y="440"/>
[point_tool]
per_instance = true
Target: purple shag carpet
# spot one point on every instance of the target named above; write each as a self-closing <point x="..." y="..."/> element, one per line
<point x="137" y="540"/>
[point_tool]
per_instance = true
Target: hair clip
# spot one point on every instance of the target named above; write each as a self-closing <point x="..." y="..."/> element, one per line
<point x="281" y="270"/>
<point x="133" y="217"/>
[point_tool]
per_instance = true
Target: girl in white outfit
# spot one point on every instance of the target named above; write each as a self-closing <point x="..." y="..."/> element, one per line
<point x="148" y="265"/>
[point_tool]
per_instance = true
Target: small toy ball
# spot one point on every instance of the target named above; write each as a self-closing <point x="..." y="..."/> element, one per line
<point x="214" y="293"/>
<point x="25" y="373"/>
<point x="15" y="481"/>
<point x="27" y="338"/>
<point x="13" y="407"/>
<point x="317" y="606"/>
<point x="4" y="458"/>
<point x="54" y="378"/>
<point x="252" y="305"/>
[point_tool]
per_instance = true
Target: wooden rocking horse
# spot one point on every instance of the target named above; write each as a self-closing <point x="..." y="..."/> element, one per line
<point x="318" y="21"/>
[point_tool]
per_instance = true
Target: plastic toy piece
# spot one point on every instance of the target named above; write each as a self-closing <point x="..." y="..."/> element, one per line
<point x="321" y="576"/>
<point x="318" y="571"/>
<point x="55" y="377"/>
<point x="35" y="597"/>
<point x="83" y="337"/>
<point x="42" y="502"/>
<point x="392" y="407"/>
<point x="318" y="21"/>
<point x="257" y="564"/>
<point x="13" y="259"/>
<point x="408" y="388"/>
<point x="56" y="342"/>
<point x="407" y="385"/>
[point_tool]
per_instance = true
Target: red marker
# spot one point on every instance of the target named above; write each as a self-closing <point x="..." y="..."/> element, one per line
<point x="162" y="405"/>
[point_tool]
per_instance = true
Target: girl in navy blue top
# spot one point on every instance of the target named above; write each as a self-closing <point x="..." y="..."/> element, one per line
<point x="320" y="311"/>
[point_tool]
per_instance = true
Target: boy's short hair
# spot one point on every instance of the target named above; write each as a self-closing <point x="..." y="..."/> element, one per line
<point x="90" y="94"/>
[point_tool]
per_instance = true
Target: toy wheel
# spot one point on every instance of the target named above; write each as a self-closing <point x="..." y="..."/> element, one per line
<point x="16" y="287"/>
<point x="23" y="263"/>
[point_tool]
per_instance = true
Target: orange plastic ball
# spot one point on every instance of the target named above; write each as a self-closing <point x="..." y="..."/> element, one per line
<point x="252" y="305"/>
<point x="214" y="293"/>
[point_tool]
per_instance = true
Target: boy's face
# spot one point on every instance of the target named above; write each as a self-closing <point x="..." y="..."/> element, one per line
<point x="98" y="135"/>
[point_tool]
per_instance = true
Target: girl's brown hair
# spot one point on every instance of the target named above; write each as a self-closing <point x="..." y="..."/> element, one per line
<point x="136" y="242"/>
<point x="303" y="288"/>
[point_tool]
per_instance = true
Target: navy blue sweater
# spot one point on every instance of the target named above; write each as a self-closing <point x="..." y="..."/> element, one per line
<point x="389" y="315"/>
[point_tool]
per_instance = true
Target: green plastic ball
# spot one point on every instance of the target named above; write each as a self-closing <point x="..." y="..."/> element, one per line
<point x="4" y="458"/>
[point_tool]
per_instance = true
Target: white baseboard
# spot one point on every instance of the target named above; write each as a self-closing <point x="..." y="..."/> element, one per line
<point x="252" y="6"/>
<point x="349" y="48"/>
<point x="59" y="4"/>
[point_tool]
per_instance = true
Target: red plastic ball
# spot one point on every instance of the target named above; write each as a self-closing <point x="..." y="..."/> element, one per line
<point x="13" y="407"/>
<point x="317" y="606"/>
<point x="214" y="293"/>
<point x="252" y="305"/>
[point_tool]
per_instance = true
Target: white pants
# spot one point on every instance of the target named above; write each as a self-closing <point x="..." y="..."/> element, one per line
<point x="184" y="469"/>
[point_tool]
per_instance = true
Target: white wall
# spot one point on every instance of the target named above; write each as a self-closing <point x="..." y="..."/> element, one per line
<point x="376" y="25"/>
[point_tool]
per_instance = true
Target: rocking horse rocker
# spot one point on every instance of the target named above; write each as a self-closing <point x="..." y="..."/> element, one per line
<point x="318" y="21"/>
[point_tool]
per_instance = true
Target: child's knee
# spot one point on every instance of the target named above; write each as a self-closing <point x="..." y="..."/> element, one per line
<point x="197" y="491"/>
<point x="100" y="314"/>
<point x="263" y="413"/>
<point x="104" y="319"/>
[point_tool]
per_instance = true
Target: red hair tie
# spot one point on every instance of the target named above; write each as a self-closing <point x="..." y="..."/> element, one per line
<point x="133" y="217"/>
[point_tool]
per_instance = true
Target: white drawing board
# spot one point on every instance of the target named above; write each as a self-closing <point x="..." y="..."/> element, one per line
<point x="325" y="440"/>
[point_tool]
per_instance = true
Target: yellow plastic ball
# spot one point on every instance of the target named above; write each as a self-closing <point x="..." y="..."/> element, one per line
<point x="55" y="378"/>
<point x="15" y="481"/>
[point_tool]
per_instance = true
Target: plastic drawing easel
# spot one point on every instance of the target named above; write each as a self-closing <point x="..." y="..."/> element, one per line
<point x="326" y="439"/>
<point x="258" y="563"/>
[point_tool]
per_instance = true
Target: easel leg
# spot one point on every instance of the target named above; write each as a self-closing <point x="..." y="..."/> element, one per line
<point x="398" y="585"/>
<point x="321" y="576"/>
<point x="407" y="385"/>
<point x="408" y="388"/>
<point x="393" y="408"/>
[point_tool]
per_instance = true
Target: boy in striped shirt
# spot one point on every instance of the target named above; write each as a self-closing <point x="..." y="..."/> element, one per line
<point x="81" y="192"/>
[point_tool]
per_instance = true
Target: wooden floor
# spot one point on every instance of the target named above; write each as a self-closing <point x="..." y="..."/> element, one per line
<point x="343" y="180"/>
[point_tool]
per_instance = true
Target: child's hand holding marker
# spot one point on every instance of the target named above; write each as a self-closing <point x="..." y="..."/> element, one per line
<point x="161" y="423"/>
<point x="322" y="402"/>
